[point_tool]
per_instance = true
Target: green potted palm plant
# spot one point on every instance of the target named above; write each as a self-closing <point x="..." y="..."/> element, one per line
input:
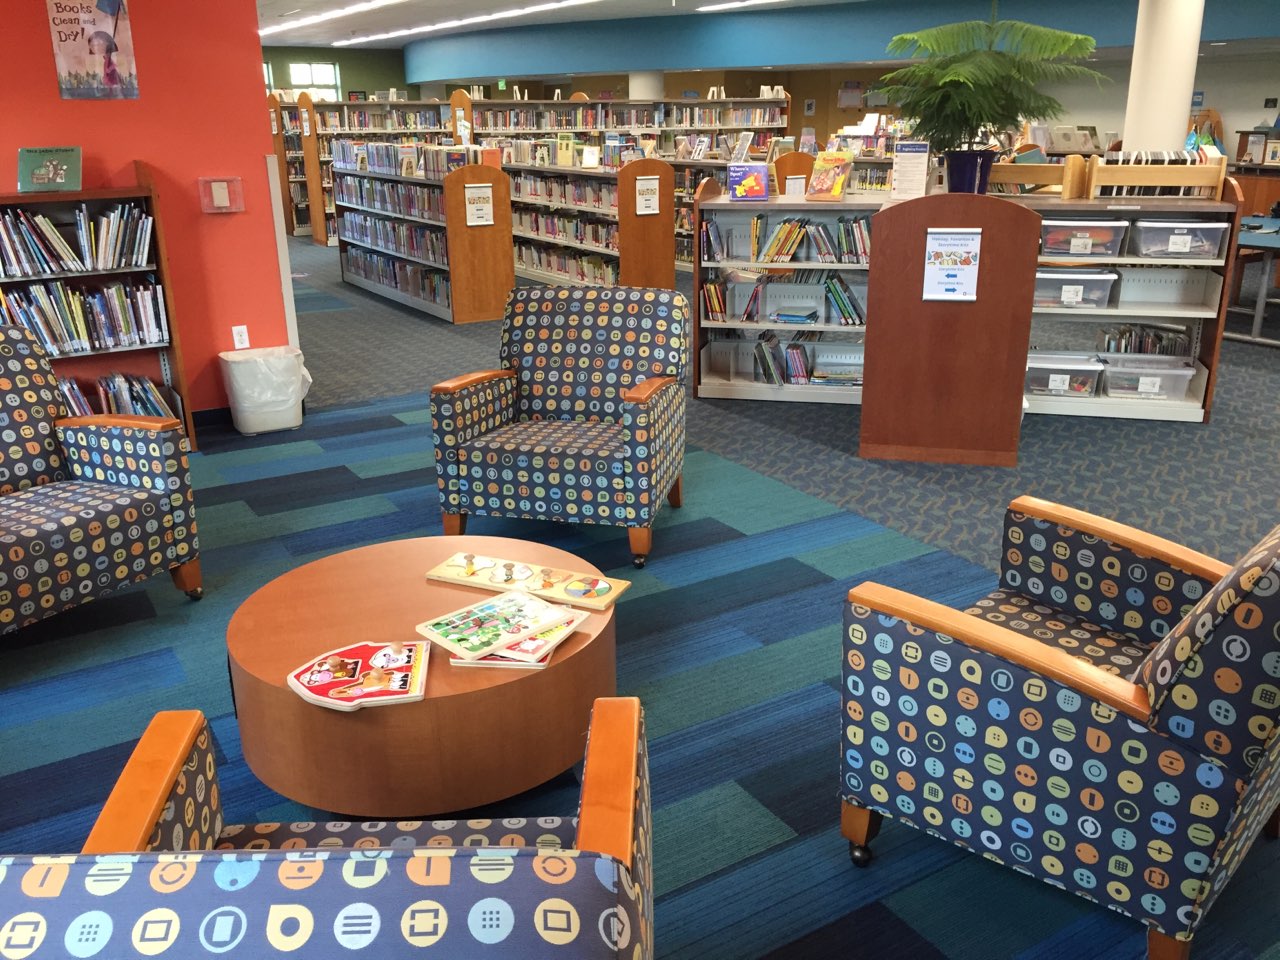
<point x="979" y="79"/>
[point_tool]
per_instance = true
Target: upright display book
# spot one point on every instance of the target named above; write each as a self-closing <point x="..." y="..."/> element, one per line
<point x="531" y="654"/>
<point x="559" y="586"/>
<point x="493" y="624"/>
<point x="748" y="181"/>
<point x="42" y="169"/>
<point x="364" y="675"/>
<point x="830" y="175"/>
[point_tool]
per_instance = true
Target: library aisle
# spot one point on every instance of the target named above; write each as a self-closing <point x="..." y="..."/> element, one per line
<point x="1161" y="476"/>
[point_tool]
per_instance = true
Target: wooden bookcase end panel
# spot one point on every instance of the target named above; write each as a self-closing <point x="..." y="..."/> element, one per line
<point x="481" y="266"/>
<point x="708" y="189"/>
<point x="647" y="243"/>
<point x="793" y="164"/>
<point x="944" y="379"/>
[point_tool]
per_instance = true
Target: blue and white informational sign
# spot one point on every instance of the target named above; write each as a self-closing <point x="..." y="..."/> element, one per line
<point x="910" y="170"/>
<point x="951" y="263"/>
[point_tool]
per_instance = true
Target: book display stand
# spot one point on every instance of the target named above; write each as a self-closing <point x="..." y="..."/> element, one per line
<point x="945" y="377"/>
<point x="86" y="343"/>
<point x="793" y="164"/>
<point x="1066" y="180"/>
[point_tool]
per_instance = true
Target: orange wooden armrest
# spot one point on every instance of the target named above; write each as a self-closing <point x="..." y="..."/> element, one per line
<point x="129" y="816"/>
<point x="1166" y="551"/>
<point x="470" y="380"/>
<point x="121" y="420"/>
<point x="607" y="813"/>
<point x="643" y="392"/>
<point x="1052" y="662"/>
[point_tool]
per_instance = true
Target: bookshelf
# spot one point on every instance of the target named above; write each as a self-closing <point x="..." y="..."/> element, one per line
<point x="587" y="207"/>
<point x="406" y="237"/>
<point x="115" y="316"/>
<point x="287" y="121"/>
<point x="1177" y="295"/>
<point x="832" y="339"/>
<point x="392" y="121"/>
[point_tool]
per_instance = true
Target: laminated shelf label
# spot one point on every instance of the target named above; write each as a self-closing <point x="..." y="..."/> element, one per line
<point x="479" y="197"/>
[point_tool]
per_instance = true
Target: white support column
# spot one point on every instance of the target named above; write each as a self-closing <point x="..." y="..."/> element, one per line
<point x="645" y="85"/>
<point x="1166" y="50"/>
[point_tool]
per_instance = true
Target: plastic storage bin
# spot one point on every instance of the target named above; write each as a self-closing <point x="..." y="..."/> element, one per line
<point x="1199" y="239"/>
<point x="1074" y="288"/>
<point x="265" y="386"/>
<point x="1082" y="238"/>
<point x="1138" y="377"/>
<point x="1062" y="375"/>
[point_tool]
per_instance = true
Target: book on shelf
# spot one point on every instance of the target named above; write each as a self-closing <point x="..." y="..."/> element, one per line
<point x="493" y="624"/>
<point x="67" y="320"/>
<point x="830" y="175"/>
<point x="42" y="169"/>
<point x="32" y="245"/>
<point x="367" y="674"/>
<point x="748" y="181"/>
<point x="742" y="149"/>
<point x="133" y="395"/>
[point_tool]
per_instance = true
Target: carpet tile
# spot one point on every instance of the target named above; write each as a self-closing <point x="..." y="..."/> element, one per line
<point x="730" y="635"/>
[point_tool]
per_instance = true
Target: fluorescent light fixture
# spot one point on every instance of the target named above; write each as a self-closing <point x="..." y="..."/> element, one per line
<point x="735" y="5"/>
<point x="466" y="21"/>
<point x="1217" y="43"/>
<point x="350" y="11"/>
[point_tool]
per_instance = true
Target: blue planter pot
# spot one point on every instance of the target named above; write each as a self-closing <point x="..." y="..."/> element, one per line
<point x="968" y="170"/>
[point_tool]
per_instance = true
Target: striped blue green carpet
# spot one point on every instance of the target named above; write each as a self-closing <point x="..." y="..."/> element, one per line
<point x="730" y="636"/>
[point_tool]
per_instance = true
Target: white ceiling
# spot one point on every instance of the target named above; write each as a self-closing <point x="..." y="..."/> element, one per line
<point x="414" y="13"/>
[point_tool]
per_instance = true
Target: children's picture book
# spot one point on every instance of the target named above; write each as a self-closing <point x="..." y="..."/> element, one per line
<point x="493" y="624"/>
<point x="364" y="674"/>
<point x="748" y="181"/>
<point x="742" y="149"/>
<point x="531" y="654"/>
<point x="830" y="174"/>
<point x="549" y="583"/>
<point x="48" y="168"/>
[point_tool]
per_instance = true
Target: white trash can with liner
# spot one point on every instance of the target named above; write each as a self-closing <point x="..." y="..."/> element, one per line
<point x="266" y="386"/>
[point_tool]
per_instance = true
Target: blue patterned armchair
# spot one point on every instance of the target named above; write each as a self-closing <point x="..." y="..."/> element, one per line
<point x="160" y="875"/>
<point x="1105" y="720"/>
<point x="584" y="422"/>
<point x="87" y="504"/>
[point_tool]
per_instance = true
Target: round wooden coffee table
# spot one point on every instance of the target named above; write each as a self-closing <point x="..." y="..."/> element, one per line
<point x="479" y="735"/>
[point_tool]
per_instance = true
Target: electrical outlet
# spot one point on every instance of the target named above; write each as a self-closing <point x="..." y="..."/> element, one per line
<point x="240" y="336"/>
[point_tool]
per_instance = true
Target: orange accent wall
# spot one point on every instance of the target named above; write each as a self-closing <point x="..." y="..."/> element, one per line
<point x="201" y="112"/>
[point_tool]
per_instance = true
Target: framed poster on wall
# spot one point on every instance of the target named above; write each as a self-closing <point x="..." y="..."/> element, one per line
<point x="93" y="49"/>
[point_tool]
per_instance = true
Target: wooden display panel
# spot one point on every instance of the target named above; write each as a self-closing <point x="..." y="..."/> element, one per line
<point x="647" y="244"/>
<point x="793" y="164"/>
<point x="944" y="379"/>
<point x="311" y="165"/>
<point x="461" y="100"/>
<point x="481" y="267"/>
<point x="276" y="120"/>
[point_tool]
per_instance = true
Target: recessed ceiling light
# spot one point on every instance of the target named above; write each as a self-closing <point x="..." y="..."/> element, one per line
<point x="734" y="5"/>
<point x="355" y="8"/>
<point x="466" y="21"/>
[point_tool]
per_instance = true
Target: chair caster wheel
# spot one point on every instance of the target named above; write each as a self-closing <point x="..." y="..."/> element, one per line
<point x="860" y="855"/>
<point x="638" y="562"/>
<point x="196" y="594"/>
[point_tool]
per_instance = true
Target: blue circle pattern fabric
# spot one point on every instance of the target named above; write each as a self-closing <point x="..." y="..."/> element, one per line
<point x="84" y="510"/>
<point x="1148" y="819"/>
<point x="557" y="441"/>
